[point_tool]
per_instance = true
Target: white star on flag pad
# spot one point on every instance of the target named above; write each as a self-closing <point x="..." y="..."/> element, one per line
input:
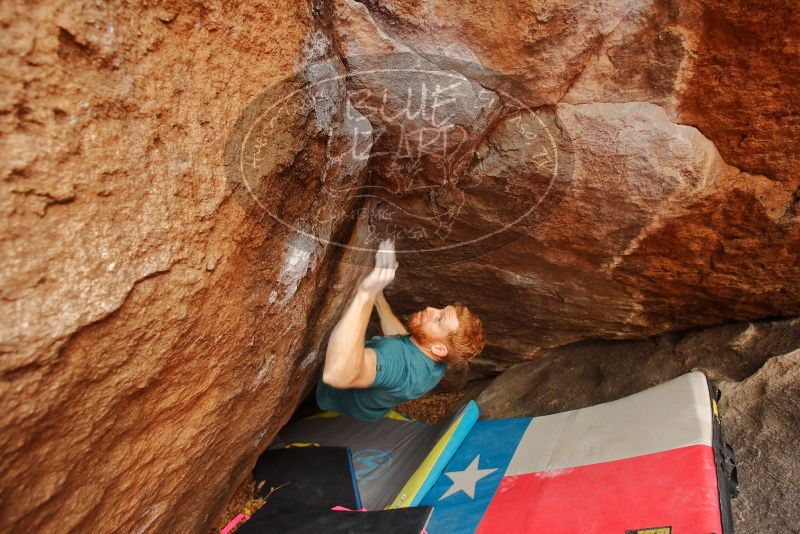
<point x="465" y="480"/>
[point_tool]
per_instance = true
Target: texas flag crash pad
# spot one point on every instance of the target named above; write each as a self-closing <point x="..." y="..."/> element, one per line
<point x="651" y="462"/>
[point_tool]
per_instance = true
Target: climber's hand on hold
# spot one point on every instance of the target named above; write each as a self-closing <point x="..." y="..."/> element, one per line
<point x="384" y="271"/>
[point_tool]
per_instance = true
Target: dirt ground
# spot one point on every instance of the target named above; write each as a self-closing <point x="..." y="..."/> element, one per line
<point x="432" y="407"/>
<point x="244" y="501"/>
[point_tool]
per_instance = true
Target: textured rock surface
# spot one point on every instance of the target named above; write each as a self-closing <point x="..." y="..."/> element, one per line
<point x="652" y="229"/>
<point x="761" y="420"/>
<point x="759" y="406"/>
<point x="154" y="334"/>
<point x="157" y="326"/>
<point x="653" y="233"/>
<point x="538" y="48"/>
<point x="741" y="90"/>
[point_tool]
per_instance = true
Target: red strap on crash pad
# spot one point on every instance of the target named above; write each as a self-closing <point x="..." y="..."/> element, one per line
<point x="241" y="518"/>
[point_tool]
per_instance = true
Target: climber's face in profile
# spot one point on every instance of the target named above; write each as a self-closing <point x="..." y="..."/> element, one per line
<point x="452" y="334"/>
<point x="433" y="324"/>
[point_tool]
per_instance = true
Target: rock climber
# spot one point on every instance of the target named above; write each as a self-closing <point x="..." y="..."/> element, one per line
<point x="366" y="380"/>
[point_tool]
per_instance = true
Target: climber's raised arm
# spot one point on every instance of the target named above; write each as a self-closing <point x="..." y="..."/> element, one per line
<point x="390" y="324"/>
<point x="348" y="364"/>
<point x="367" y="379"/>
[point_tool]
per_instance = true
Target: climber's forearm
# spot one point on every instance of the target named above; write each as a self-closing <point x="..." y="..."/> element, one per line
<point x="390" y="324"/>
<point x="344" y="358"/>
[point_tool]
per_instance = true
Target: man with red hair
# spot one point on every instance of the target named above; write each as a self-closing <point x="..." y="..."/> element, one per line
<point x="366" y="380"/>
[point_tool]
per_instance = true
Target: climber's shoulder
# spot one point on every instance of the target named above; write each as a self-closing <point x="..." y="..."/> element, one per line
<point x="401" y="366"/>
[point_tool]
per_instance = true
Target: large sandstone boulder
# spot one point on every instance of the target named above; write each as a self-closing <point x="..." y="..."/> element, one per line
<point x="660" y="217"/>
<point x="175" y="250"/>
<point x="156" y="329"/>
<point x="761" y="419"/>
<point x="653" y="232"/>
<point x="730" y="68"/>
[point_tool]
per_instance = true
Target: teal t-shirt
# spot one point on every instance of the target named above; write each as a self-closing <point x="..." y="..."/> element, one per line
<point x="403" y="373"/>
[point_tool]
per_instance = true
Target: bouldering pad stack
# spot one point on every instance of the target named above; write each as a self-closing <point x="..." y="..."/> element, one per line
<point x="396" y="460"/>
<point x="313" y="489"/>
<point x="653" y="462"/>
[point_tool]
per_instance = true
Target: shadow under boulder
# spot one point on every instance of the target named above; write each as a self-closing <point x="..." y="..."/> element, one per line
<point x="591" y="372"/>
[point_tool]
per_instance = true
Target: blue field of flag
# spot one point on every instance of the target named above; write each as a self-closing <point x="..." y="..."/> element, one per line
<point x="462" y="493"/>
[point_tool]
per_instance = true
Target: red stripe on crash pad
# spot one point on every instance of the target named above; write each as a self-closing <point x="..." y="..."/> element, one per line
<point x="676" y="488"/>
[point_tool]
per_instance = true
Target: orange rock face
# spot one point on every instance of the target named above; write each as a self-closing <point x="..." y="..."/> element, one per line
<point x="654" y="225"/>
<point x="611" y="169"/>
<point x="742" y="88"/>
<point x="155" y="333"/>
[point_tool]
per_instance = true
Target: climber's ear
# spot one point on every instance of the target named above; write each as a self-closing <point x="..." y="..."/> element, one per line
<point x="439" y="350"/>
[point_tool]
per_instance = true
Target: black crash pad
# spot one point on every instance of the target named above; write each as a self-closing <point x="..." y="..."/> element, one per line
<point x="313" y="476"/>
<point x="314" y="519"/>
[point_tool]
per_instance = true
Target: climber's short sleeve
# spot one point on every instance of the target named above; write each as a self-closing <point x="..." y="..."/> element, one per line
<point x="391" y="371"/>
<point x="403" y="372"/>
